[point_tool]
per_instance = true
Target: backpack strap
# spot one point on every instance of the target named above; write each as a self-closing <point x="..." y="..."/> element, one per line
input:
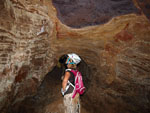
<point x="71" y="84"/>
<point x="68" y="69"/>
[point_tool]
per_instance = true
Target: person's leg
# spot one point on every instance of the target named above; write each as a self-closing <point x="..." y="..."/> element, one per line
<point x="68" y="103"/>
<point x="76" y="104"/>
<point x="72" y="105"/>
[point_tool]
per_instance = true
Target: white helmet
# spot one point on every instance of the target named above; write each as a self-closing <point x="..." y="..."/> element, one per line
<point x="76" y="59"/>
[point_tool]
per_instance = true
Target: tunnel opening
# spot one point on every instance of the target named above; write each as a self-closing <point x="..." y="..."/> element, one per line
<point x="48" y="97"/>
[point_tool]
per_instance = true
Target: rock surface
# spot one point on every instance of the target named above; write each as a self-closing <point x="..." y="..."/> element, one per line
<point x="117" y="54"/>
<point x="119" y="58"/>
<point x="81" y="13"/>
<point x="26" y="31"/>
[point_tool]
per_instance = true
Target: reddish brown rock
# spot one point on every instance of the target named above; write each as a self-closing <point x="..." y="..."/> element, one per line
<point x="23" y="25"/>
<point x="23" y="72"/>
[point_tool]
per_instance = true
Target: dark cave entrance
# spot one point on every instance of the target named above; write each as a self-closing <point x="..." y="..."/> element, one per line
<point x="48" y="93"/>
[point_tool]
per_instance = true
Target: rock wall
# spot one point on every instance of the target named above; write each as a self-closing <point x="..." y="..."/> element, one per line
<point x="118" y="56"/>
<point x="26" y="55"/>
<point x="32" y="40"/>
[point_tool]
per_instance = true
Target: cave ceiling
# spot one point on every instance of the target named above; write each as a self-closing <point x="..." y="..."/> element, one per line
<point x="81" y="13"/>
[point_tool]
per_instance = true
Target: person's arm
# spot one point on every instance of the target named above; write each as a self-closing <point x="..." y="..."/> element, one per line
<point x="65" y="80"/>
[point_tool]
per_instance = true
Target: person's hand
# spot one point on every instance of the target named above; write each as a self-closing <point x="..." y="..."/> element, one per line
<point x="62" y="91"/>
<point x="62" y="77"/>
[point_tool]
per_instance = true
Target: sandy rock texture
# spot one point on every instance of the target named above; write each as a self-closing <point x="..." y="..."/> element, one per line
<point x="116" y="50"/>
<point x="26" y="31"/>
<point x="118" y="56"/>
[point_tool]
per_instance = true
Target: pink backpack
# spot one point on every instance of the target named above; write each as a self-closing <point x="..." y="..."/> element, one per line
<point x="79" y="86"/>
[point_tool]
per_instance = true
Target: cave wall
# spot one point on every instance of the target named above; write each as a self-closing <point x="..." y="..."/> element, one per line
<point x="25" y="48"/>
<point x="118" y="55"/>
<point x="116" y="52"/>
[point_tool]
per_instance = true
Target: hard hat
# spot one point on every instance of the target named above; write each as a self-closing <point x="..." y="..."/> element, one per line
<point x="76" y="59"/>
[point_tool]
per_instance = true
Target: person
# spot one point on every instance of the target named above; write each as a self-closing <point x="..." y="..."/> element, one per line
<point x="72" y="105"/>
